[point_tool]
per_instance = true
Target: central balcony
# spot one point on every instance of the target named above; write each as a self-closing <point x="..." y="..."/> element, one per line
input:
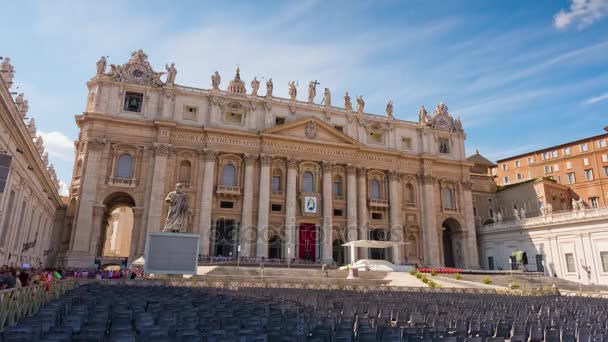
<point x="123" y="182"/>
<point x="378" y="203"/>
<point x="229" y="190"/>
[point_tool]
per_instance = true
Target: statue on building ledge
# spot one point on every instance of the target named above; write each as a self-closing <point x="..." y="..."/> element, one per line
<point x="7" y="71"/>
<point x="177" y="217"/>
<point x="326" y="98"/>
<point x="293" y="91"/>
<point x="422" y="115"/>
<point x="347" y="104"/>
<point x="101" y="66"/>
<point x="171" y="73"/>
<point x="216" y="79"/>
<point x="360" y="104"/>
<point x="312" y="91"/>
<point x="389" y="109"/>
<point x="255" y="85"/>
<point x="269" y="87"/>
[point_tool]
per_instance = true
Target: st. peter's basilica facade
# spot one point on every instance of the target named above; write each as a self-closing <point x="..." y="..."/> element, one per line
<point x="265" y="176"/>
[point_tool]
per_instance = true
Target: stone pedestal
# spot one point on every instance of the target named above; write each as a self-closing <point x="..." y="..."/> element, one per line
<point x="172" y="253"/>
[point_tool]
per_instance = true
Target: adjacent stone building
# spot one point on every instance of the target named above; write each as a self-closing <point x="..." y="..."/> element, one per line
<point x="29" y="201"/>
<point x="266" y="176"/>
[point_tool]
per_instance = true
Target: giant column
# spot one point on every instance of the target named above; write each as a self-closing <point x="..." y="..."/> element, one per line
<point x="204" y="228"/>
<point x="362" y="208"/>
<point x="290" y="208"/>
<point x="431" y="240"/>
<point x="157" y="193"/>
<point x="80" y="254"/>
<point x="247" y="232"/>
<point x="328" y="212"/>
<point x="395" y="214"/>
<point x="471" y="245"/>
<point x="351" y="207"/>
<point x="263" y="206"/>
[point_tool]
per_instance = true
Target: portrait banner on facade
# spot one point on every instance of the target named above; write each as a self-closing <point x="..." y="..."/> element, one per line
<point x="310" y="204"/>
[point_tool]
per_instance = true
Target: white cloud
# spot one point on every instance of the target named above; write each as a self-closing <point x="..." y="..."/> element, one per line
<point x="583" y="12"/>
<point x="63" y="188"/>
<point x="58" y="145"/>
<point x="596" y="99"/>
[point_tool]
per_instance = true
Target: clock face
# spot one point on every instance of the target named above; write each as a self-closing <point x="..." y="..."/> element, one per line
<point x="137" y="73"/>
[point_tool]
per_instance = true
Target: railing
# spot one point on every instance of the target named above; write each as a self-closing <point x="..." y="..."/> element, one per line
<point x="409" y="204"/>
<point x="25" y="301"/>
<point x="278" y="193"/>
<point x="229" y="190"/>
<point x="378" y="203"/>
<point x="553" y="218"/>
<point x="125" y="182"/>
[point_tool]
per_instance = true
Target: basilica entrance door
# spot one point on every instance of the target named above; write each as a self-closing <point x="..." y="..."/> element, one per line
<point x="308" y="239"/>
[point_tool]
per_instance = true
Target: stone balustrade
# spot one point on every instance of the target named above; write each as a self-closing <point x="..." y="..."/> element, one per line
<point x="554" y="218"/>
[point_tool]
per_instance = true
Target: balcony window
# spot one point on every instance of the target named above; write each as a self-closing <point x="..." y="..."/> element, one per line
<point x="184" y="172"/>
<point x="276" y="183"/>
<point x="337" y="189"/>
<point x="447" y="196"/>
<point x="307" y="182"/>
<point x="229" y="175"/>
<point x="410" y="199"/>
<point x="124" y="167"/>
<point x="374" y="189"/>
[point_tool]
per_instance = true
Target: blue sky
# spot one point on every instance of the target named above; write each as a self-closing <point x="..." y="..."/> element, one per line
<point x="522" y="75"/>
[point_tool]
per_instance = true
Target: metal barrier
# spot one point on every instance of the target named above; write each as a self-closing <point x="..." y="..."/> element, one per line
<point x="26" y="301"/>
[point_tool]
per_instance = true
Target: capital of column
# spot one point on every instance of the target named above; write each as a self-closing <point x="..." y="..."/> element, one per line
<point x="362" y="172"/>
<point x="466" y="184"/>
<point x="428" y="179"/>
<point x="292" y="163"/>
<point x="394" y="175"/>
<point x="161" y="149"/>
<point x="327" y="166"/>
<point x="209" y="154"/>
<point x="265" y="159"/>
<point x="250" y="159"/>
<point x="351" y="169"/>
<point x="137" y="212"/>
<point x="96" y="144"/>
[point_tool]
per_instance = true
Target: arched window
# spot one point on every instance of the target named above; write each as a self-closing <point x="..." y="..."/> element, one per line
<point x="307" y="182"/>
<point x="229" y="175"/>
<point x="410" y="199"/>
<point x="124" y="167"/>
<point x="337" y="186"/>
<point x="448" y="198"/>
<point x="374" y="189"/>
<point x="184" y="172"/>
<point x="276" y="181"/>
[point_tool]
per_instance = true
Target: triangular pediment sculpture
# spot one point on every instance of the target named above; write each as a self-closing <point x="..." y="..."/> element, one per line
<point x="312" y="129"/>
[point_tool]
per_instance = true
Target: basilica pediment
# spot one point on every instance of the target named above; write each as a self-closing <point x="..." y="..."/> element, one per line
<point x="311" y="129"/>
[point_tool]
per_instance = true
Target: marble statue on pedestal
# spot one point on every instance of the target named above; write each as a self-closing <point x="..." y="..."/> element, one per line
<point x="7" y="72"/>
<point x="347" y="104"/>
<point x="360" y="104"/>
<point x="515" y="214"/>
<point x="171" y="73"/>
<point x="422" y="115"/>
<point x="293" y="91"/>
<point x="177" y="217"/>
<point x="255" y="85"/>
<point x="269" y="87"/>
<point x="326" y="98"/>
<point x="216" y="79"/>
<point x="101" y="65"/>
<point x="312" y="91"/>
<point x="389" y="109"/>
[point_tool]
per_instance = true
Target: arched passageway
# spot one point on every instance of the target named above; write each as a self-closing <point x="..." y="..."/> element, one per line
<point x="452" y="243"/>
<point x="117" y="226"/>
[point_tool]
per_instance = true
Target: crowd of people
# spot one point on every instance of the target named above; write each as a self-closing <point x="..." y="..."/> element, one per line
<point x="12" y="277"/>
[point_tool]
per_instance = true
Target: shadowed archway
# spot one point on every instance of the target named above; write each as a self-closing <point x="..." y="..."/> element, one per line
<point x="452" y="243"/>
<point x="117" y="226"/>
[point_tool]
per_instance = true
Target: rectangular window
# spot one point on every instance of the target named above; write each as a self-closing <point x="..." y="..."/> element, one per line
<point x="554" y="154"/>
<point x="337" y="189"/>
<point x="133" y="102"/>
<point x="375" y="138"/>
<point x="584" y="147"/>
<point x="504" y="167"/>
<point x="406" y="143"/>
<point x="602" y="143"/>
<point x="338" y="212"/>
<point x="605" y="158"/>
<point x="491" y="263"/>
<point x="604" y="259"/>
<point x="517" y="163"/>
<point x="606" y="171"/>
<point x="567" y="151"/>
<point x="276" y="183"/>
<point x="530" y="160"/>
<point x="548" y="169"/>
<point x="474" y="211"/>
<point x="506" y="180"/>
<point x="190" y="113"/>
<point x="594" y="202"/>
<point x="226" y="205"/>
<point x="444" y="146"/>
<point x="489" y="200"/>
<point x="556" y="168"/>
<point x="586" y="161"/>
<point x="491" y="212"/>
<point x="540" y="267"/>
<point x="589" y="174"/>
<point x="571" y="178"/>
<point x="376" y="216"/>
<point x="279" y="121"/>
<point x="276" y="207"/>
<point x="570" y="266"/>
<point x="520" y="176"/>
<point x="339" y="128"/>
<point x="568" y="165"/>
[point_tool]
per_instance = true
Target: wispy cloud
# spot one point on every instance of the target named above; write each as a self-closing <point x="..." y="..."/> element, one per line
<point x="581" y="12"/>
<point x="58" y="145"/>
<point x="596" y="99"/>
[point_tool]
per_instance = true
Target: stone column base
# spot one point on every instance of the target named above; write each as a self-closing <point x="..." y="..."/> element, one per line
<point x="75" y="259"/>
